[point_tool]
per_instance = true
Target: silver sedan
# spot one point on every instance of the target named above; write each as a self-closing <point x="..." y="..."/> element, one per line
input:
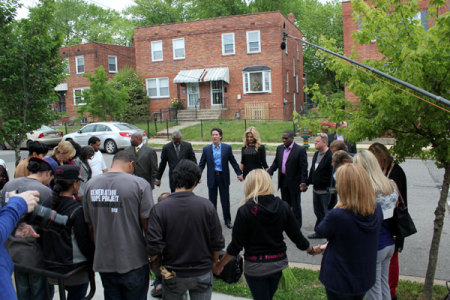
<point x="113" y="135"/>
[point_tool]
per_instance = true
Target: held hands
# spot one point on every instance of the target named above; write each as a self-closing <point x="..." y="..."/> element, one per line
<point x="319" y="249"/>
<point x="303" y="187"/>
<point x="25" y="230"/>
<point x="217" y="267"/>
<point x="240" y="177"/>
<point x="157" y="182"/>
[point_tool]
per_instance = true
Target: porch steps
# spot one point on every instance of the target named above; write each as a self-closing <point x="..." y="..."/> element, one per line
<point x="202" y="114"/>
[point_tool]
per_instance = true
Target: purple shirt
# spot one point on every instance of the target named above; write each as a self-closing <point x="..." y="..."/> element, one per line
<point x="286" y="152"/>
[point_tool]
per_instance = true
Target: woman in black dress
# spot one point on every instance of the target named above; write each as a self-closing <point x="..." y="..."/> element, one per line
<point x="253" y="154"/>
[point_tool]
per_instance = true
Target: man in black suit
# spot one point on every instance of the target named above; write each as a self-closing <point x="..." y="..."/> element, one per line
<point x="335" y="136"/>
<point x="172" y="153"/>
<point x="145" y="159"/>
<point x="292" y="164"/>
<point x="216" y="157"/>
<point x="320" y="178"/>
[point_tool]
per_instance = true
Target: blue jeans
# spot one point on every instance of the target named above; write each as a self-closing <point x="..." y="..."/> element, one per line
<point x="264" y="287"/>
<point x="199" y="287"/>
<point x="132" y="285"/>
<point x="31" y="286"/>
<point x="333" y="296"/>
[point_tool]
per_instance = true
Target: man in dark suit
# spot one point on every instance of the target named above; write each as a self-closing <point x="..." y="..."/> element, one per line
<point x="335" y="136"/>
<point x="320" y="178"/>
<point x="172" y="153"/>
<point x="292" y="164"/>
<point x="216" y="157"/>
<point x="146" y="160"/>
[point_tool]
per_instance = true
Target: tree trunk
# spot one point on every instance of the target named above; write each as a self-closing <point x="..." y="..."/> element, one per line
<point x="438" y="225"/>
<point x="17" y="153"/>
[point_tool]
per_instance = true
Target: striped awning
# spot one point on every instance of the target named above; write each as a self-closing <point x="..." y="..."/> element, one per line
<point x="61" y="87"/>
<point x="217" y="74"/>
<point x="189" y="76"/>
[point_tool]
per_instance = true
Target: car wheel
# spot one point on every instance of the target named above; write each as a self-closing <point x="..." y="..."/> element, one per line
<point x="110" y="147"/>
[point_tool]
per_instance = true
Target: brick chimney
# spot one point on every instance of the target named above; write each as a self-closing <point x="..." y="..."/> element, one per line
<point x="291" y="17"/>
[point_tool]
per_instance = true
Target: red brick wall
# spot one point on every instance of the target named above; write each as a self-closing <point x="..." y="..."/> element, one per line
<point x="203" y="49"/>
<point x="95" y="55"/>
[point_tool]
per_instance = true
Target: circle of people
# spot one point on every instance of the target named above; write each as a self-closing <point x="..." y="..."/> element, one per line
<point x="115" y="229"/>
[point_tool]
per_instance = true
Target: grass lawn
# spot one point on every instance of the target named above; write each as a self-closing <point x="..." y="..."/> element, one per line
<point x="233" y="130"/>
<point x="310" y="288"/>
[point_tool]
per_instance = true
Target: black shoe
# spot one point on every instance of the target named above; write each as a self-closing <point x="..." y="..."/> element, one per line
<point x="229" y="225"/>
<point x="314" y="236"/>
<point x="394" y="298"/>
<point x="156" y="293"/>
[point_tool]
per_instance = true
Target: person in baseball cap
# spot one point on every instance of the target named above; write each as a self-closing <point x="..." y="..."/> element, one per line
<point x="68" y="172"/>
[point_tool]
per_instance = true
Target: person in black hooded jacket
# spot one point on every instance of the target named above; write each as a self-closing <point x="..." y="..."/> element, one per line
<point x="67" y="251"/>
<point x="259" y="228"/>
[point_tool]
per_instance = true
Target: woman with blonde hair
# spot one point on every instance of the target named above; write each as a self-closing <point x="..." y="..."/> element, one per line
<point x="259" y="226"/>
<point x="386" y="195"/>
<point x="395" y="172"/>
<point x="352" y="229"/>
<point x="253" y="153"/>
<point x="63" y="153"/>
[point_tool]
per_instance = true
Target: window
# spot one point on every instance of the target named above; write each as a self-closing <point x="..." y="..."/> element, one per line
<point x="257" y="82"/>
<point x="66" y="66"/>
<point x="101" y="128"/>
<point x="228" y="44"/>
<point x="78" y="98"/>
<point x="158" y="87"/>
<point x="422" y="16"/>
<point x="178" y="48"/>
<point x="293" y="66"/>
<point x="296" y="83"/>
<point x="88" y="128"/>
<point x="253" y="42"/>
<point x="298" y="51"/>
<point x="287" y="82"/>
<point x="79" y="61"/>
<point x="286" y="49"/>
<point x="112" y="64"/>
<point x="157" y="51"/>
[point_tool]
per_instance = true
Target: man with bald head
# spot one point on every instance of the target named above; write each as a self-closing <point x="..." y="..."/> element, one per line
<point x="146" y="160"/>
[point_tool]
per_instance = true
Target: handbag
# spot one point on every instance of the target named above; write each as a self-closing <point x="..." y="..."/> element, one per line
<point x="403" y="225"/>
<point x="232" y="271"/>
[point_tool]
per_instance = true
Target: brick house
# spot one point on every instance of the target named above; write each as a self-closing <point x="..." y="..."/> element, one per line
<point x="85" y="58"/>
<point x="369" y="51"/>
<point x="233" y="64"/>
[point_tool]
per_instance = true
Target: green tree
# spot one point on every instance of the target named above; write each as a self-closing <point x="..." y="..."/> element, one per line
<point x="102" y="100"/>
<point x="415" y="55"/>
<point x="155" y="12"/>
<point x="202" y="9"/>
<point x="82" y="22"/>
<point x="30" y="69"/>
<point x="138" y="106"/>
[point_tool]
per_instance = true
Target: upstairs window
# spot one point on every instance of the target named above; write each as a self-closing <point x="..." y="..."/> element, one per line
<point x="178" y="48"/>
<point x="112" y="64"/>
<point x="157" y="51"/>
<point x="422" y="16"/>
<point x="66" y="66"/>
<point x="257" y="79"/>
<point x="79" y="61"/>
<point x="287" y="82"/>
<point x="78" y="98"/>
<point x="253" y="42"/>
<point x="228" y="44"/>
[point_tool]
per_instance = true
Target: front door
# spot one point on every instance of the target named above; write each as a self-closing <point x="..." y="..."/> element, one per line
<point x="216" y="93"/>
<point x="193" y="94"/>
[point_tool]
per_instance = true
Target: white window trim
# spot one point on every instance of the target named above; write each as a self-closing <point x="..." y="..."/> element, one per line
<point x="287" y="81"/>
<point x="75" y="97"/>
<point x="263" y="81"/>
<point x="296" y="83"/>
<point x="76" y="64"/>
<point x="115" y="62"/>
<point x="157" y="88"/>
<point x="286" y="49"/>
<point x="162" y="50"/>
<point x="293" y="67"/>
<point x="223" y="44"/>
<point x="173" y="49"/>
<point x="259" y="43"/>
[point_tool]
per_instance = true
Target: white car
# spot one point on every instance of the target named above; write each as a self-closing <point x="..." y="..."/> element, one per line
<point x="113" y="135"/>
<point x="45" y="135"/>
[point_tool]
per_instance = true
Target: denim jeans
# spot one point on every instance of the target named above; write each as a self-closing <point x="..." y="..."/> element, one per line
<point x="264" y="287"/>
<point x="132" y="285"/>
<point x="333" y="296"/>
<point x="199" y="287"/>
<point x="31" y="286"/>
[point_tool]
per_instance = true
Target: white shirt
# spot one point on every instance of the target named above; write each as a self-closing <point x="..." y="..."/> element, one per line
<point x="97" y="164"/>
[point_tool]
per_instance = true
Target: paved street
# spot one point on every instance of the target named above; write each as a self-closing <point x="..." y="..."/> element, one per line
<point x="424" y="180"/>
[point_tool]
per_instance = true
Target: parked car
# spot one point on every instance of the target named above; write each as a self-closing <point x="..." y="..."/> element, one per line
<point x="45" y="134"/>
<point x="113" y="135"/>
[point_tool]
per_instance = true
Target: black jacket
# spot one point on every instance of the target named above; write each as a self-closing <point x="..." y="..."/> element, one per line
<point x="61" y="254"/>
<point x="259" y="228"/>
<point x="296" y="166"/>
<point x="145" y="163"/>
<point x="321" y="177"/>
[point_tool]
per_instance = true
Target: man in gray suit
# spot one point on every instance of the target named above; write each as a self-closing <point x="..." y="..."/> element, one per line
<point x="172" y="153"/>
<point x="146" y="160"/>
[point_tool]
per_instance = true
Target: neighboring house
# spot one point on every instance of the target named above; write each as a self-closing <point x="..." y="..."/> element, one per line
<point x="369" y="51"/>
<point x="82" y="59"/>
<point x="231" y="63"/>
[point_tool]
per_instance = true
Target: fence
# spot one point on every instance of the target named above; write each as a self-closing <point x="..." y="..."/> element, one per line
<point x="257" y="111"/>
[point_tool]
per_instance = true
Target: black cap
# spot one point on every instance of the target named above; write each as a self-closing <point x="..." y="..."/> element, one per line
<point x="37" y="164"/>
<point x="68" y="172"/>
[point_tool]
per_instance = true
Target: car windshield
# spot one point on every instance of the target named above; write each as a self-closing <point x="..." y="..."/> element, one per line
<point x="44" y="127"/>
<point x="125" y="126"/>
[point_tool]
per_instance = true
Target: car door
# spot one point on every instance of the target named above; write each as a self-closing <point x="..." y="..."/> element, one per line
<point x="84" y="134"/>
<point x="103" y="132"/>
